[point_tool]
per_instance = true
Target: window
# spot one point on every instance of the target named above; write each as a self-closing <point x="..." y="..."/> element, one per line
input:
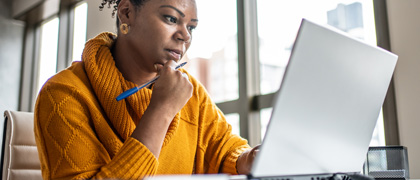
<point x="48" y="52"/>
<point x="265" y="118"/>
<point x="278" y="23"/>
<point x="61" y="40"/>
<point x="233" y="119"/>
<point x="275" y="24"/>
<point x="79" y="30"/>
<point x="213" y="55"/>
<point x="239" y="52"/>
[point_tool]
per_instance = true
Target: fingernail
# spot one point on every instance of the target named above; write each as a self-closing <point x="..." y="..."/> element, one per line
<point x="156" y="68"/>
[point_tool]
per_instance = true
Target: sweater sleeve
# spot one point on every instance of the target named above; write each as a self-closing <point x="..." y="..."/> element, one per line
<point x="221" y="147"/>
<point x="69" y="147"/>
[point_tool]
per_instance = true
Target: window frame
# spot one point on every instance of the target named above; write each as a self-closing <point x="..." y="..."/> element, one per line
<point x="31" y="52"/>
<point x="251" y="101"/>
<point x="389" y="106"/>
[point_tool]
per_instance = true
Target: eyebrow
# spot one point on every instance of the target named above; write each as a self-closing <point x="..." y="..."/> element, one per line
<point x="177" y="10"/>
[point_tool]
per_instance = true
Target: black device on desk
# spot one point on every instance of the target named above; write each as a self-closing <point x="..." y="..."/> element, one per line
<point x="387" y="162"/>
<point x="326" y="109"/>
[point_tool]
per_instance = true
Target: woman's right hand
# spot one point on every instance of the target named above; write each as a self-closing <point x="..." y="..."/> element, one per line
<point x="171" y="91"/>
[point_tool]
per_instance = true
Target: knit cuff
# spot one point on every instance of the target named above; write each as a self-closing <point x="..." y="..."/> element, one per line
<point x="133" y="161"/>
<point x="229" y="164"/>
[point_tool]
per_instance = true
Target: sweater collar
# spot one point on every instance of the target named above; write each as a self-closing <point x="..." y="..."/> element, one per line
<point x="108" y="82"/>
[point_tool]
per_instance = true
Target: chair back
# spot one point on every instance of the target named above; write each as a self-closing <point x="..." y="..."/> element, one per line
<point x="19" y="158"/>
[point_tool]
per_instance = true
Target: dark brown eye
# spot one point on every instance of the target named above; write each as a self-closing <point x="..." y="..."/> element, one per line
<point x="171" y="19"/>
<point x="191" y="28"/>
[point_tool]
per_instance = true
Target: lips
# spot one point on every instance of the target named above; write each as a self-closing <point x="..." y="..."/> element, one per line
<point x="174" y="53"/>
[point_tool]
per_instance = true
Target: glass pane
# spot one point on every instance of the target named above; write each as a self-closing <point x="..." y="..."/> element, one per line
<point x="48" y="51"/>
<point x="278" y="23"/>
<point x="213" y="55"/>
<point x="79" y="30"/>
<point x="378" y="137"/>
<point x="233" y="120"/>
<point x="265" y="115"/>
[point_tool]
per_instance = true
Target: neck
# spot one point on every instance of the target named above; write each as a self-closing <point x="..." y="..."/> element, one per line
<point x="130" y="65"/>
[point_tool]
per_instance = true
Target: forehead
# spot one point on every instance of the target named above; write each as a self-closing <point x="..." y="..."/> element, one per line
<point x="186" y="6"/>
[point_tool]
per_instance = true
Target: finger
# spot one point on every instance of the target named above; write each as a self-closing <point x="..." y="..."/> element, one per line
<point x="257" y="147"/>
<point x="255" y="153"/>
<point x="171" y="64"/>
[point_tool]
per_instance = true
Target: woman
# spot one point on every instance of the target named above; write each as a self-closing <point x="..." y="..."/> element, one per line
<point x="171" y="127"/>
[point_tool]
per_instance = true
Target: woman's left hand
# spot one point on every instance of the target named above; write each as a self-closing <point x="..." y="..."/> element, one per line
<point x="245" y="160"/>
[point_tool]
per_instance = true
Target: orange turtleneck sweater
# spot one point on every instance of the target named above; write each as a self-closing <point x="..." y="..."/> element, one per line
<point x="82" y="132"/>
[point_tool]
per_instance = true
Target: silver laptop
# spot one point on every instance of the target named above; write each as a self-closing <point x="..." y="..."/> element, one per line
<point x="326" y="109"/>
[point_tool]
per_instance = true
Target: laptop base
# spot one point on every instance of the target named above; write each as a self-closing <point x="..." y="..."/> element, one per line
<point x="337" y="176"/>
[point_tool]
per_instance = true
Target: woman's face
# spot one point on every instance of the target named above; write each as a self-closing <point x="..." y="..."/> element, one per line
<point x="161" y="30"/>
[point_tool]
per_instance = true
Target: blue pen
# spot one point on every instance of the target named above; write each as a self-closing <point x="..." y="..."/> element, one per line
<point x="131" y="91"/>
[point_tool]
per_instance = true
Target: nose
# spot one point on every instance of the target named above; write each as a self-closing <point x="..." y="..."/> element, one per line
<point x="183" y="35"/>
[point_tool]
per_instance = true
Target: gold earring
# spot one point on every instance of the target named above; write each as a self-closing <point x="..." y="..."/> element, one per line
<point x="124" y="28"/>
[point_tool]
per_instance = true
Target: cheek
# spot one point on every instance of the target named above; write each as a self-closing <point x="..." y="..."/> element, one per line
<point x="161" y="33"/>
<point x="189" y="43"/>
<point x="187" y="46"/>
<point x="168" y="31"/>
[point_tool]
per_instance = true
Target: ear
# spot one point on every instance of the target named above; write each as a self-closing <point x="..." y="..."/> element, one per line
<point x="125" y="11"/>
